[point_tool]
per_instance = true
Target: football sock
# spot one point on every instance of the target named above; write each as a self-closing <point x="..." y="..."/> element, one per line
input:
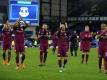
<point x="105" y="63"/>
<point x="45" y="57"/>
<point x="65" y="61"/>
<point x="60" y="63"/>
<point x="41" y="56"/>
<point x="100" y="63"/>
<point x="4" y="56"/>
<point x="87" y="57"/>
<point x="82" y="58"/>
<point x="23" y="58"/>
<point x="17" y="59"/>
<point x="9" y="56"/>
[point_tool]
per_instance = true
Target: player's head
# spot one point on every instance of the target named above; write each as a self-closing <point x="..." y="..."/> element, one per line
<point x="62" y="27"/>
<point x="44" y="26"/>
<point x="22" y="23"/>
<point x="87" y="28"/>
<point x="103" y="26"/>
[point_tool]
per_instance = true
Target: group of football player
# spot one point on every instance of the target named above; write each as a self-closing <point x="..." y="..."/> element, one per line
<point x="60" y="38"/>
<point x="18" y="30"/>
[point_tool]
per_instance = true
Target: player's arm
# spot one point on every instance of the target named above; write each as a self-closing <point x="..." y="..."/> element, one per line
<point x="49" y="35"/>
<point x="90" y="37"/>
<point x="58" y="33"/>
<point x="39" y="35"/>
<point x="26" y="24"/>
<point x="11" y="27"/>
<point x="81" y="36"/>
<point x="16" y="24"/>
<point x="104" y="37"/>
<point x="100" y="36"/>
<point x="4" y="27"/>
<point x="66" y="25"/>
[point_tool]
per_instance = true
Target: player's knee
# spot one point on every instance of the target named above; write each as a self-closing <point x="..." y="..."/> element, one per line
<point x="59" y="58"/>
<point x="83" y="53"/>
<point x="87" y="53"/>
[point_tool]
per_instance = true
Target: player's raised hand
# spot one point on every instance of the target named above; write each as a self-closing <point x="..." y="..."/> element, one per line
<point x="4" y="27"/>
<point x="66" y="25"/>
<point x="60" y="24"/>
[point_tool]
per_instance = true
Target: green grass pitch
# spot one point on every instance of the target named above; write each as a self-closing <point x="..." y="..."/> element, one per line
<point x="75" y="70"/>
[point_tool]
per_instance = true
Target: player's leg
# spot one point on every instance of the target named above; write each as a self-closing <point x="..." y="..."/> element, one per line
<point x="65" y="56"/>
<point x="4" y="56"/>
<point x="102" y="66"/>
<point x="45" y="55"/>
<point x="41" y="58"/>
<point x="105" y="62"/>
<point x="100" y="63"/>
<point x="71" y="50"/>
<point x="100" y="56"/>
<point x="45" y="47"/>
<point x="75" y="50"/>
<point x="4" y="53"/>
<point x="17" y="60"/>
<point x="22" y="50"/>
<point x="41" y="54"/>
<point x="87" y="57"/>
<point x="23" y="59"/>
<point x="60" y="63"/>
<point x="53" y="49"/>
<point x="60" y="59"/>
<point x="17" y="50"/>
<point x="65" y="62"/>
<point x="83" y="55"/>
<point x="9" y="54"/>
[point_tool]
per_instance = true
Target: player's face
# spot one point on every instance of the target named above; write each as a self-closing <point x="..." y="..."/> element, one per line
<point x="106" y="28"/>
<point x="86" y="28"/>
<point x="103" y="26"/>
<point x="62" y="27"/>
<point x="44" y="26"/>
